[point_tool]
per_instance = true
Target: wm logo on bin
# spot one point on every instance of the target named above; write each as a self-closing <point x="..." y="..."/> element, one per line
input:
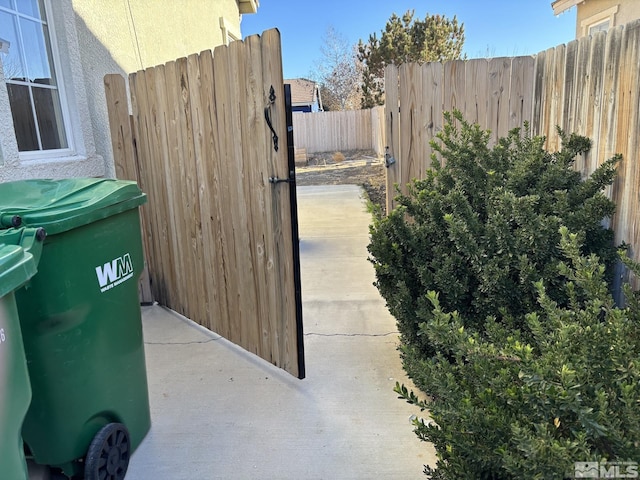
<point x="115" y="272"/>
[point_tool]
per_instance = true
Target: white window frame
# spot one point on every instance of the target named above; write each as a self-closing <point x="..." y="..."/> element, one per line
<point x="36" y="155"/>
<point x="229" y="33"/>
<point x="606" y="15"/>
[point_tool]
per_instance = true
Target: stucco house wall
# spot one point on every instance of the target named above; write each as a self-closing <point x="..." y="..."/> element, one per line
<point x="593" y="12"/>
<point x="620" y="11"/>
<point x="94" y="37"/>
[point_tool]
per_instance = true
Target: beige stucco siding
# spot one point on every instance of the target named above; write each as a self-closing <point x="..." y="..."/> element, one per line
<point x="625" y="11"/>
<point x="130" y="35"/>
<point x="144" y="33"/>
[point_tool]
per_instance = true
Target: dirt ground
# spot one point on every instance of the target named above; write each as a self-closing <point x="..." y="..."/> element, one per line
<point x="362" y="168"/>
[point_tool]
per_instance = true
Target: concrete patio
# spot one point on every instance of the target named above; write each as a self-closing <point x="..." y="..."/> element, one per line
<point x="221" y="413"/>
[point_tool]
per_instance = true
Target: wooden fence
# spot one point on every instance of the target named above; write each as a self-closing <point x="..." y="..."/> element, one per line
<point x="590" y="86"/>
<point x="340" y="131"/>
<point x="218" y="232"/>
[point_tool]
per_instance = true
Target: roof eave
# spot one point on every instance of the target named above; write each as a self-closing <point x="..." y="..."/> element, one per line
<point x="560" y="6"/>
<point x="248" y="6"/>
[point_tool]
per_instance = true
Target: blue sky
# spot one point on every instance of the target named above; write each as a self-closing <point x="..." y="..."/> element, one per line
<point x="493" y="27"/>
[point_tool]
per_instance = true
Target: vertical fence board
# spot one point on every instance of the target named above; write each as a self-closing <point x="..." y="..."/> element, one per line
<point x="571" y="81"/>
<point x="143" y="101"/>
<point x="632" y="158"/>
<point x="121" y="136"/>
<point x="625" y="192"/>
<point x="159" y="151"/>
<point x="520" y="94"/>
<point x="579" y="95"/>
<point x="433" y="122"/>
<point x="539" y="87"/>
<point x="126" y="163"/>
<point x="392" y="120"/>
<point x="226" y="134"/>
<point x="454" y="87"/>
<point x="610" y="96"/>
<point x="595" y="95"/>
<point x="263" y="244"/>
<point x="498" y="107"/>
<point x="556" y="98"/>
<point x="147" y="211"/>
<point x="378" y="130"/>
<point x="411" y="119"/>
<point x="198" y="188"/>
<point x="210" y="199"/>
<point x="476" y="92"/>
<point x="282" y="337"/>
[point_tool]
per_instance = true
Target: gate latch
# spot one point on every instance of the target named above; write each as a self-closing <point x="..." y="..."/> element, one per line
<point x="275" y="180"/>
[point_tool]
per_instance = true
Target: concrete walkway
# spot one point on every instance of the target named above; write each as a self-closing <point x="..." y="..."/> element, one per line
<point x="221" y="413"/>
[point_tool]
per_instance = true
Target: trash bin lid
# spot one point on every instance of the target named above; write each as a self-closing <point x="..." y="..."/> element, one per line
<point x="16" y="267"/>
<point x="61" y="205"/>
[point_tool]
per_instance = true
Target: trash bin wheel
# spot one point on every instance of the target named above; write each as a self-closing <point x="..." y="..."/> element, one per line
<point x="108" y="454"/>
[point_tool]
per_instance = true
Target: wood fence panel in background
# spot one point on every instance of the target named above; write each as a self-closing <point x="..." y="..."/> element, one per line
<point x="569" y="105"/>
<point x="432" y="96"/>
<point x="476" y="91"/>
<point x="590" y="86"/>
<point x="556" y="98"/>
<point x="414" y="118"/>
<point x="610" y="95"/>
<point x="580" y="95"/>
<point x="499" y="89"/>
<point x="592" y="123"/>
<point x="378" y="130"/>
<point x="539" y="92"/>
<point x="339" y="131"/>
<point x="454" y="87"/>
<point x="122" y="141"/>
<point x="392" y="131"/>
<point x="220" y="234"/>
<point x="626" y="191"/>
<point x="520" y="98"/>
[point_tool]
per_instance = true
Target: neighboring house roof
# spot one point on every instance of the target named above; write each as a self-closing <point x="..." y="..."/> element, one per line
<point x="560" y="6"/>
<point x="303" y="91"/>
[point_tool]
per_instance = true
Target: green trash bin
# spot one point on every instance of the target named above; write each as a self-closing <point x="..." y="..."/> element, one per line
<point x="81" y="323"/>
<point x="17" y="266"/>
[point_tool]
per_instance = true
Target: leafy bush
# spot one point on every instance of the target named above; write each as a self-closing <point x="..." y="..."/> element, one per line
<point x="506" y="319"/>
<point x="508" y="409"/>
<point x="483" y="227"/>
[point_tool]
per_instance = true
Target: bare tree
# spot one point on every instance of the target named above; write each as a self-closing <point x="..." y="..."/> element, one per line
<point x="338" y="72"/>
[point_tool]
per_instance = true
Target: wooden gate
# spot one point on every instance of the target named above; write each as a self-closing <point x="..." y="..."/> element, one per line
<point x="210" y="145"/>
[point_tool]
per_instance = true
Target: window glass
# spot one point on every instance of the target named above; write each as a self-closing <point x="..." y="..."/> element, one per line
<point x="23" y="120"/>
<point x="29" y="7"/>
<point x="30" y="75"/>
<point x="38" y="69"/>
<point x="12" y="62"/>
<point x="599" y="27"/>
<point x="49" y="117"/>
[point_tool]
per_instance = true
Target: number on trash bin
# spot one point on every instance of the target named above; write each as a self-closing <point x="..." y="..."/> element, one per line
<point x="2" y="335"/>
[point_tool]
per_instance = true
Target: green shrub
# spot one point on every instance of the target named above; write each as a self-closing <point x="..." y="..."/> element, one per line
<point x="482" y="228"/>
<point x="508" y="409"/>
<point x="506" y="321"/>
